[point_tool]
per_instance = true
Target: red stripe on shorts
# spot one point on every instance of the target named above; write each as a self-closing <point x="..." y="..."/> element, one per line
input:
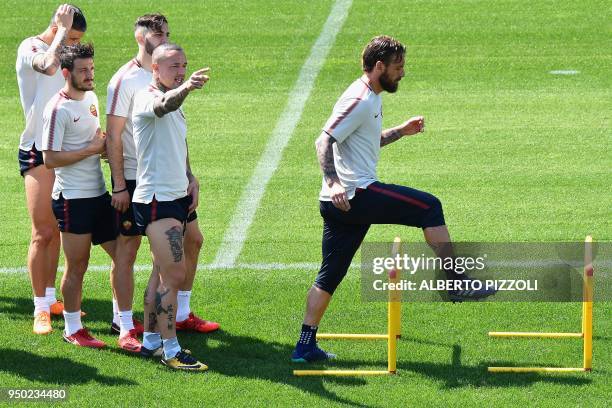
<point x="398" y="196"/>
<point x="66" y="216"/>
<point x="153" y="210"/>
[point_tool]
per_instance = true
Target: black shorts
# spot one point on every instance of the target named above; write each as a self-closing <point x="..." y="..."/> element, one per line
<point x="28" y="159"/>
<point x="145" y="214"/>
<point x="125" y="222"/>
<point x="93" y="216"/>
<point x="343" y="231"/>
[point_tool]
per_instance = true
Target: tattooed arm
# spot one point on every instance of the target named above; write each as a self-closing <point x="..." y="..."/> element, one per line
<point x="325" y="154"/>
<point x="49" y="62"/>
<point x="410" y="127"/>
<point x="173" y="99"/>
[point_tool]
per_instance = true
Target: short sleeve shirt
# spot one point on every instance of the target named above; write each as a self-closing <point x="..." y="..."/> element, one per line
<point x="70" y="125"/>
<point x="356" y="125"/>
<point x="35" y="90"/>
<point x="127" y="81"/>
<point x="161" y="148"/>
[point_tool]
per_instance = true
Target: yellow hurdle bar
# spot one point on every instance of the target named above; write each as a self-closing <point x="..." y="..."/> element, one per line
<point x="395" y="296"/>
<point x="586" y="326"/>
<point x="350" y="336"/>
<point x="587" y="305"/>
<point x="393" y="333"/>
<point x="535" y="370"/>
<point x="339" y="372"/>
<point x="536" y="334"/>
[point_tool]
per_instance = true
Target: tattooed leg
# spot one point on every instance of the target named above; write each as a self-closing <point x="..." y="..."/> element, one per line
<point x="150" y="317"/>
<point x="175" y="239"/>
<point x="166" y="240"/>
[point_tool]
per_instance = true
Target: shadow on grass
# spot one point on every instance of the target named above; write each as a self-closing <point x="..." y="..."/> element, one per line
<point x="250" y="357"/>
<point x="18" y="307"/>
<point x="455" y="375"/>
<point x="55" y="370"/>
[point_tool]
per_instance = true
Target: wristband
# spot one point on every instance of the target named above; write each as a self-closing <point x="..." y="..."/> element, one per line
<point x="120" y="191"/>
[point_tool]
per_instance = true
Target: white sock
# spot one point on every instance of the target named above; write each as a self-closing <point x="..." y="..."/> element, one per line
<point x="152" y="341"/>
<point x="115" y="312"/>
<point x="171" y="347"/>
<point x="183" y="297"/>
<point x="73" y="322"/>
<point x="125" y="322"/>
<point x="50" y="295"/>
<point x="41" y="305"/>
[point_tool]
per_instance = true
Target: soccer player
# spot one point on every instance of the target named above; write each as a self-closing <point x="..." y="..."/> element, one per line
<point x="151" y="30"/>
<point x="39" y="78"/>
<point x="161" y="201"/>
<point x="71" y="144"/>
<point x="352" y="198"/>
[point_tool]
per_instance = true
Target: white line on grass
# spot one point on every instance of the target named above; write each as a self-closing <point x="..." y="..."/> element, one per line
<point x="564" y="72"/>
<point x="236" y="233"/>
<point x="277" y="266"/>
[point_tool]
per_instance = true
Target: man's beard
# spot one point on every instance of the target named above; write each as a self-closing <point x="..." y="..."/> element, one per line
<point x="149" y="48"/>
<point x="81" y="87"/>
<point x="387" y="84"/>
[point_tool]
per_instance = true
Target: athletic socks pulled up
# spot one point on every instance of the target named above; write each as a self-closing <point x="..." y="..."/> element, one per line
<point x="171" y="347"/>
<point x="73" y="322"/>
<point x="183" y="298"/>
<point x="308" y="336"/>
<point x="151" y="341"/>
<point x="50" y="296"/>
<point x="41" y="304"/>
<point x="126" y="322"/>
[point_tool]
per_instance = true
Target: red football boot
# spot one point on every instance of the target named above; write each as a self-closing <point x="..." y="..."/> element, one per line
<point x="84" y="339"/>
<point x="194" y="323"/>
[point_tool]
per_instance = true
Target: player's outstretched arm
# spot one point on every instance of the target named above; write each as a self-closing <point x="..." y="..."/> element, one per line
<point x="173" y="99"/>
<point x="325" y="154"/>
<point x="49" y="62"/>
<point x="411" y="127"/>
<point x="55" y="159"/>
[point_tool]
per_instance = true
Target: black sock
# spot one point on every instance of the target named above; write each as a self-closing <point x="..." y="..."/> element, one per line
<point x="308" y="335"/>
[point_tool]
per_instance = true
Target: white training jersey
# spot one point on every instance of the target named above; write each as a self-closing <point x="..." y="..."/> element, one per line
<point x="130" y="79"/>
<point x="69" y="125"/>
<point x="356" y="125"/>
<point x="161" y="147"/>
<point x="35" y="90"/>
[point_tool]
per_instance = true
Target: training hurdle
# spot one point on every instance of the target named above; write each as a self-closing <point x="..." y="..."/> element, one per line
<point x="393" y="332"/>
<point x="587" y="326"/>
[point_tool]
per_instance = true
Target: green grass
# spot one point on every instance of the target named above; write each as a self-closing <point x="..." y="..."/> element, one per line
<point x="514" y="153"/>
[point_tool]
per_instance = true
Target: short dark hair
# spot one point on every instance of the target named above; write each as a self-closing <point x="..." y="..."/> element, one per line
<point x="382" y="48"/>
<point x="160" y="51"/>
<point x="78" y="19"/>
<point x="73" y="52"/>
<point x="152" y="22"/>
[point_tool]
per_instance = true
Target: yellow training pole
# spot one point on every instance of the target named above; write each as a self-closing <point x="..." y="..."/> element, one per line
<point x="395" y="296"/>
<point x="534" y="370"/>
<point x="587" y="304"/>
<point x="536" y="334"/>
<point x="338" y="372"/>
<point x="351" y="336"/>
<point x="393" y="313"/>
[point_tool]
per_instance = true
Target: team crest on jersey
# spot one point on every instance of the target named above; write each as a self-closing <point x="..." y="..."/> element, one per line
<point x="93" y="110"/>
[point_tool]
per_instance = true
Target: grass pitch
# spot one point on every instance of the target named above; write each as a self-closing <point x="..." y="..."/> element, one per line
<point x="514" y="153"/>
